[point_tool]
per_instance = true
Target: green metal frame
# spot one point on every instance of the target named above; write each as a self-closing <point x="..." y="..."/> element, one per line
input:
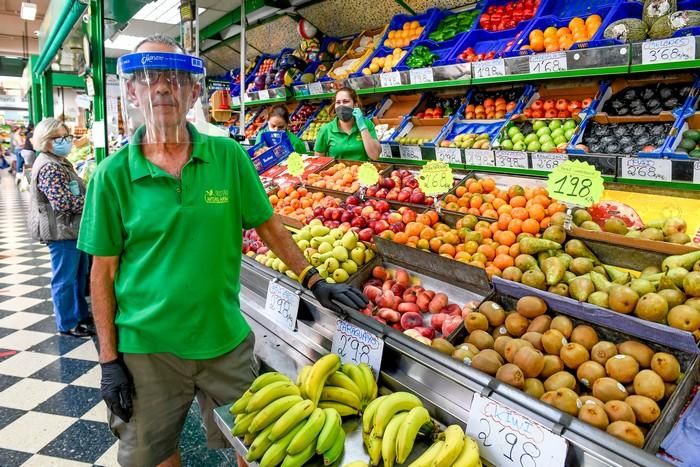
<point x="67" y="80"/>
<point x="96" y="37"/>
<point x="232" y="18"/>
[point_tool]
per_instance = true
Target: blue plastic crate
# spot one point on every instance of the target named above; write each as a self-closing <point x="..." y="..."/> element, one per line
<point x="313" y="65"/>
<point x="485" y="41"/>
<point x="279" y="149"/>
<point x="459" y="127"/>
<point x="523" y="96"/>
<point x="444" y="14"/>
<point x="484" y="6"/>
<point x="444" y="50"/>
<point x="623" y="10"/>
<point x="572" y="8"/>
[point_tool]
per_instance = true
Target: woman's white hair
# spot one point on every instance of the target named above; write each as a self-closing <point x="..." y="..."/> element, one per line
<point x="45" y="131"/>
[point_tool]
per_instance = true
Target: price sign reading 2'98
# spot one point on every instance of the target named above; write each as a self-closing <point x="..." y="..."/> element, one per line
<point x="575" y="182"/>
<point x="282" y="305"/>
<point x="355" y="345"/>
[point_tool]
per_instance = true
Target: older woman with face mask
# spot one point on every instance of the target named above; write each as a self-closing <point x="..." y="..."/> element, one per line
<point x="57" y="197"/>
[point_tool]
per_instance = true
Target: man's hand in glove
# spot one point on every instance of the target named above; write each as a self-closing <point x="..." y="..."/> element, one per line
<point x="349" y="296"/>
<point x="359" y="118"/>
<point x="117" y="388"/>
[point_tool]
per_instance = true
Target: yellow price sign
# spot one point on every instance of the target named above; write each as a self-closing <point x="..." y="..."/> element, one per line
<point x="367" y="174"/>
<point x="295" y="164"/>
<point x="435" y="178"/>
<point x="575" y="182"/>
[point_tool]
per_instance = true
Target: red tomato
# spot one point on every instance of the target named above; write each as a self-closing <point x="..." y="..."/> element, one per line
<point x="562" y="104"/>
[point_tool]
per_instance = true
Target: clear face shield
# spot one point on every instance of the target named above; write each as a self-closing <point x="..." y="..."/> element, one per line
<point x="157" y="90"/>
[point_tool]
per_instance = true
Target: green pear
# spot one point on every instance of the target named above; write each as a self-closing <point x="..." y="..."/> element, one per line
<point x="337" y="234"/>
<point x="357" y="255"/>
<point x="350" y="266"/>
<point x="316" y="259"/>
<point x="324" y="248"/>
<point x="340" y="253"/>
<point x="369" y="254"/>
<point x="332" y="264"/>
<point x="340" y="275"/>
<point x="319" y="230"/>
<point x="303" y="244"/>
<point x="349" y="240"/>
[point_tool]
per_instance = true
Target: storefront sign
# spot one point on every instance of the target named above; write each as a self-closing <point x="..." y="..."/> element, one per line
<point x="647" y="169"/>
<point x="421" y="75"/>
<point x="675" y="49"/>
<point x="435" y="178"/>
<point x="479" y="157"/>
<point x="282" y="305"/>
<point x="356" y="345"/>
<point x="575" y="182"/>
<point x="388" y="80"/>
<point x="315" y="88"/>
<point x="512" y="159"/>
<point x="411" y="153"/>
<point x="449" y="155"/>
<point x="509" y="439"/>
<point x="547" y="160"/>
<point x="489" y="68"/>
<point x="548" y="63"/>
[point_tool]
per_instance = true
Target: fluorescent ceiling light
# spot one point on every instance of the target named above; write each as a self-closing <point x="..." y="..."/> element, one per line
<point x="28" y="11"/>
<point x="123" y="42"/>
<point x="162" y="11"/>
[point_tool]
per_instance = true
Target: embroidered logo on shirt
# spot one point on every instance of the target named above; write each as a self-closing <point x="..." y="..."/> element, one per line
<point x="216" y="196"/>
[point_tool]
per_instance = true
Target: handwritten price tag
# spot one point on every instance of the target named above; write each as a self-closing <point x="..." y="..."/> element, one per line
<point x="355" y="345"/>
<point x="575" y="182"/>
<point x="386" y="150"/>
<point x="367" y="174"/>
<point x="388" y="80"/>
<point x="479" y="157"/>
<point x="696" y="172"/>
<point x="315" y="88"/>
<point x="647" y="169"/>
<point x="547" y="160"/>
<point x="508" y="439"/>
<point x="548" y="63"/>
<point x="411" y="153"/>
<point x="282" y="305"/>
<point x="449" y="155"/>
<point x="295" y="164"/>
<point x="421" y="75"/>
<point x="263" y="95"/>
<point x="675" y="49"/>
<point x="435" y="178"/>
<point x="489" y="68"/>
<point x="512" y="159"/>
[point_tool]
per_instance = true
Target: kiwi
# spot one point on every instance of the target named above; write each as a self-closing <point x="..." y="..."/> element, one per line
<point x="547" y="397"/>
<point x="533" y="387"/>
<point x="499" y="331"/>
<point x="622" y="368"/>
<point x="530" y="360"/>
<point x="475" y="321"/>
<point x="471" y="347"/>
<point x="608" y="389"/>
<point x="494" y="312"/>
<point x="591" y="400"/>
<point x="540" y="324"/>
<point x="561" y="379"/>
<point x="640" y="352"/>
<point x="573" y="355"/>
<point x="594" y="414"/>
<point x="602" y="351"/>
<point x="531" y="307"/>
<point x="584" y="335"/>
<point x="588" y="372"/>
<point x="481" y="339"/>
<point x="645" y="409"/>
<point x="620" y="411"/>
<point x="668" y="389"/>
<point x="512" y="375"/>
<point x="667" y="366"/>
<point x="552" y="341"/>
<point x="461" y="354"/>
<point x="562" y="324"/>
<point x="626" y="431"/>
<point x="648" y="383"/>
<point x="512" y="348"/>
<point x="534" y="338"/>
<point x="499" y="345"/>
<point x="567" y="401"/>
<point x="516" y="324"/>
<point x="443" y="345"/>
<point x="552" y="364"/>
<point x="487" y="361"/>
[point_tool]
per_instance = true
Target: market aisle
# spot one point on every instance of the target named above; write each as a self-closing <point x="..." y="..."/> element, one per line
<point x="51" y="412"/>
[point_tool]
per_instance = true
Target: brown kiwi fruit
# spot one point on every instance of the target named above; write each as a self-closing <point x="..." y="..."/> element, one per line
<point x="530" y="360"/>
<point x="645" y="409"/>
<point x="547" y="397"/>
<point x="592" y="400"/>
<point x="668" y="389"/>
<point x="474" y="321"/>
<point x="602" y="351"/>
<point x="552" y="341"/>
<point x="562" y="324"/>
<point x="640" y="352"/>
<point x="494" y="312"/>
<point x="516" y="324"/>
<point x="608" y="389"/>
<point x="443" y="345"/>
<point x="561" y="379"/>
<point x="573" y="355"/>
<point x="534" y="338"/>
<point x="471" y="347"/>
<point x="531" y="307"/>
<point x="584" y="335"/>
<point x="461" y="353"/>
<point x="512" y="375"/>
<point x="499" y="331"/>
<point x="567" y="401"/>
<point x="648" y="383"/>
<point x="626" y="431"/>
<point x="513" y="346"/>
<point x="622" y="368"/>
<point x="540" y="324"/>
<point x="487" y="361"/>
<point x="481" y="339"/>
<point x="667" y="366"/>
<point x="620" y="411"/>
<point x="499" y="345"/>
<point x="552" y="364"/>
<point x="590" y="371"/>
<point x="594" y="414"/>
<point x="629" y="388"/>
<point x="533" y="387"/>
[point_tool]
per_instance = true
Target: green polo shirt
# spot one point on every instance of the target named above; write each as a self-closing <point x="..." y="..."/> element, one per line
<point x="297" y="143"/>
<point x="179" y="244"/>
<point x="334" y="142"/>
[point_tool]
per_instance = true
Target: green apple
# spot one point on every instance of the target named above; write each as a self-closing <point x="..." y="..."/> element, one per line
<point x="543" y="131"/>
<point x="554" y="124"/>
<point x="533" y="146"/>
<point x="519" y="146"/>
<point x="513" y="130"/>
<point x="517" y="137"/>
<point x="557" y="132"/>
<point x="539" y="124"/>
<point x="570" y="124"/>
<point x="547" y="147"/>
<point x="530" y="138"/>
<point x="507" y="145"/>
<point x="569" y="133"/>
<point x="560" y="140"/>
<point x="545" y="139"/>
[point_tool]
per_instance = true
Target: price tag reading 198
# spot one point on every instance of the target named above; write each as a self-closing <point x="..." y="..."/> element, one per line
<point x="479" y="157"/>
<point x="489" y="68"/>
<point x="548" y="63"/>
<point x="355" y="345"/>
<point x="282" y="305"/>
<point x="675" y="49"/>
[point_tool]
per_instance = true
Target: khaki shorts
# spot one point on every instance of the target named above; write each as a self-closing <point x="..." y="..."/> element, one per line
<point x="165" y="386"/>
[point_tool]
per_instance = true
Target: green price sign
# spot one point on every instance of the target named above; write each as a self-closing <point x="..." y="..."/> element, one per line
<point x="435" y="178"/>
<point x="295" y="164"/>
<point x="367" y="174"/>
<point x="575" y="182"/>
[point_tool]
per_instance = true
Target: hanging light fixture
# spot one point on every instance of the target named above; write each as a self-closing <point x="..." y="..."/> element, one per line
<point x="28" y="11"/>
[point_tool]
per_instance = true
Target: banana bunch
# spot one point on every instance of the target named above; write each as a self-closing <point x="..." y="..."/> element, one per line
<point x="452" y="448"/>
<point x="390" y="426"/>
<point x="347" y="389"/>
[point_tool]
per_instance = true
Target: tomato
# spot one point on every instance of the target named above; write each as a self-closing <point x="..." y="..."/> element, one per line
<point x="573" y="105"/>
<point x="562" y="104"/>
<point x="548" y="104"/>
<point x="537" y="105"/>
<point x="586" y="102"/>
<point x="485" y="21"/>
<point x="563" y="114"/>
<point x="495" y="18"/>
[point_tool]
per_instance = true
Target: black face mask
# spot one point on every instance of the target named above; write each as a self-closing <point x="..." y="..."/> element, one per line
<point x="344" y="112"/>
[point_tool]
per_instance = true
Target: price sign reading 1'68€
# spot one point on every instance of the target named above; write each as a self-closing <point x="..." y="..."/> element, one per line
<point x="575" y="182"/>
<point x="435" y="178"/>
<point x="295" y="164"/>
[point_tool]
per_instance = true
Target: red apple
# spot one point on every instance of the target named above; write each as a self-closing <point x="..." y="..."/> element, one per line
<point x="398" y="227"/>
<point x="381" y="226"/>
<point x="366" y="235"/>
<point x="394" y="217"/>
<point x="409" y="215"/>
<point x="382" y="206"/>
<point x="352" y="200"/>
<point x="416" y="197"/>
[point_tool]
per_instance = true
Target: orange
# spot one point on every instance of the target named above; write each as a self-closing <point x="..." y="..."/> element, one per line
<point x="580" y="36"/>
<point x="423" y="219"/>
<point x="550" y="32"/>
<point x="520" y="213"/>
<point x="489" y="184"/>
<point x="447" y="249"/>
<point x="504" y="209"/>
<point x="592" y="29"/>
<point x="552" y="48"/>
<point x="461" y="190"/>
<point x="516" y="190"/>
<point x="474" y="211"/>
<point x="537" y="212"/>
<point x="494" y="229"/>
<point x="476" y="202"/>
<point x="490" y="213"/>
<point x="387" y="234"/>
<point x="476" y="187"/>
<point x="531" y="226"/>
<point x="463" y="202"/>
<point x="477" y="263"/>
<point x="423" y="244"/>
<point x="502" y="250"/>
<point x="503" y="261"/>
<point x="518" y="201"/>
<point x="576" y="23"/>
<point x="401" y="237"/>
<point x="433" y="215"/>
<point x="535" y="34"/>
<point x="507" y="238"/>
<point x="450" y="199"/>
<point x="451" y="237"/>
<point x="413" y="238"/>
<point x="550" y="41"/>
<point x="493" y="271"/>
<point x="594" y="19"/>
<point x="544" y="223"/>
<point x="435" y="244"/>
<point x="471" y="247"/>
<point x="563" y="31"/>
<point x="427" y="233"/>
<point x="273" y="199"/>
<point x="484" y="231"/>
<point x="413" y="228"/>
<point x="440" y="227"/>
<point x="542" y="199"/>
<point x="555" y="207"/>
<point x="503" y="220"/>
<point x="516" y="226"/>
<point x="463" y="256"/>
<point x="497" y="203"/>
<point x="488" y="251"/>
<point x="451" y="206"/>
<point x="514" y="250"/>
<point x="537" y="44"/>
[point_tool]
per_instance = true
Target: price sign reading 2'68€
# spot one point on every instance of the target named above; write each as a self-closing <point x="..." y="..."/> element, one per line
<point x="575" y="182"/>
<point x="435" y="178"/>
<point x="355" y="345"/>
<point x="367" y="174"/>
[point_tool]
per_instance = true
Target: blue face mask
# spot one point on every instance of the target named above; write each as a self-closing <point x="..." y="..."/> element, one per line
<point x="62" y="149"/>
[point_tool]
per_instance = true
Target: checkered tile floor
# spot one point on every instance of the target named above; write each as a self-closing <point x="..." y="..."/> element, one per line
<point x="51" y="413"/>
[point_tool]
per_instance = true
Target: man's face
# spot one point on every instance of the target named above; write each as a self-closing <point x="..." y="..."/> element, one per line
<point x="164" y="97"/>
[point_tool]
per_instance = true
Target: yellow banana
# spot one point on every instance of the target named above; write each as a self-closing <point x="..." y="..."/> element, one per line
<point x="469" y="457"/>
<point x="416" y="418"/>
<point x="291" y="418"/>
<point x="389" y="439"/>
<point x="248" y="438"/>
<point x="265" y="379"/>
<point x="242" y="426"/>
<point x="454" y="442"/>
<point x="342" y="409"/>
<point x="358" y="377"/>
<point x="426" y="459"/>
<point x="369" y="413"/>
<point x="301" y="458"/>
<point x="341" y="380"/>
<point x="276" y="453"/>
<point x="271" y="392"/>
<point x="241" y="405"/>
<point x="332" y="425"/>
<point x="260" y="445"/>
<point x="307" y="435"/>
<point x="394" y="403"/>
<point x="342" y="395"/>
<point x="320" y="371"/>
<point x="370" y="381"/>
<point x="374" y="448"/>
<point x="336" y="450"/>
<point x="303" y="374"/>
<point x="357" y="464"/>
<point x="272" y="412"/>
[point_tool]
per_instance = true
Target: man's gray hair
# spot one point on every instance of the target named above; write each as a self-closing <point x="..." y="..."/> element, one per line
<point x="161" y="39"/>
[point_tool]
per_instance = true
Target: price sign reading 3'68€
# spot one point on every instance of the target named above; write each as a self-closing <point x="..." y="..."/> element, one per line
<point x="355" y="345"/>
<point x="295" y="164"/>
<point x="282" y="305"/>
<point x="435" y="178"/>
<point x="575" y="182"/>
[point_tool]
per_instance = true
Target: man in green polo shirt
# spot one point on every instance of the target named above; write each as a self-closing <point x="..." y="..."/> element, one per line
<point x="164" y="218"/>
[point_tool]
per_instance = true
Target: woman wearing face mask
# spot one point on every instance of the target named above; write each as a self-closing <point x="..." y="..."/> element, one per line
<point x="277" y="120"/>
<point x="350" y="135"/>
<point x="57" y="195"/>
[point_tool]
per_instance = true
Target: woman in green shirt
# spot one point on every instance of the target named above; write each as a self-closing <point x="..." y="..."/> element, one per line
<point x="350" y="135"/>
<point x="277" y="120"/>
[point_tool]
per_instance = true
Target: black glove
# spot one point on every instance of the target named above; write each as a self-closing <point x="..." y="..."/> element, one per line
<point x="348" y="295"/>
<point x="117" y="388"/>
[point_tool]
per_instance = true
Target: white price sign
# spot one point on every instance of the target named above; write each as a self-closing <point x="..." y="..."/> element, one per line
<point x="264" y="95"/>
<point x="449" y="155"/>
<point x="508" y="439"/>
<point x="647" y="169"/>
<point x="489" y="68"/>
<point x="411" y="153"/>
<point x="390" y="79"/>
<point x="236" y="100"/>
<point x="421" y="75"/>
<point x="355" y="345"/>
<point x="315" y="88"/>
<point x="696" y="172"/>
<point x="675" y="49"/>
<point x="512" y="159"/>
<point x="386" y="150"/>
<point x="479" y="157"/>
<point x="282" y="305"/>
<point x="548" y="63"/>
<point x="547" y="160"/>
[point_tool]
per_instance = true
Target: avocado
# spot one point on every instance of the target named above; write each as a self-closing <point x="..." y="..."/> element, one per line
<point x="686" y="144"/>
<point x="695" y="153"/>
<point x="692" y="134"/>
